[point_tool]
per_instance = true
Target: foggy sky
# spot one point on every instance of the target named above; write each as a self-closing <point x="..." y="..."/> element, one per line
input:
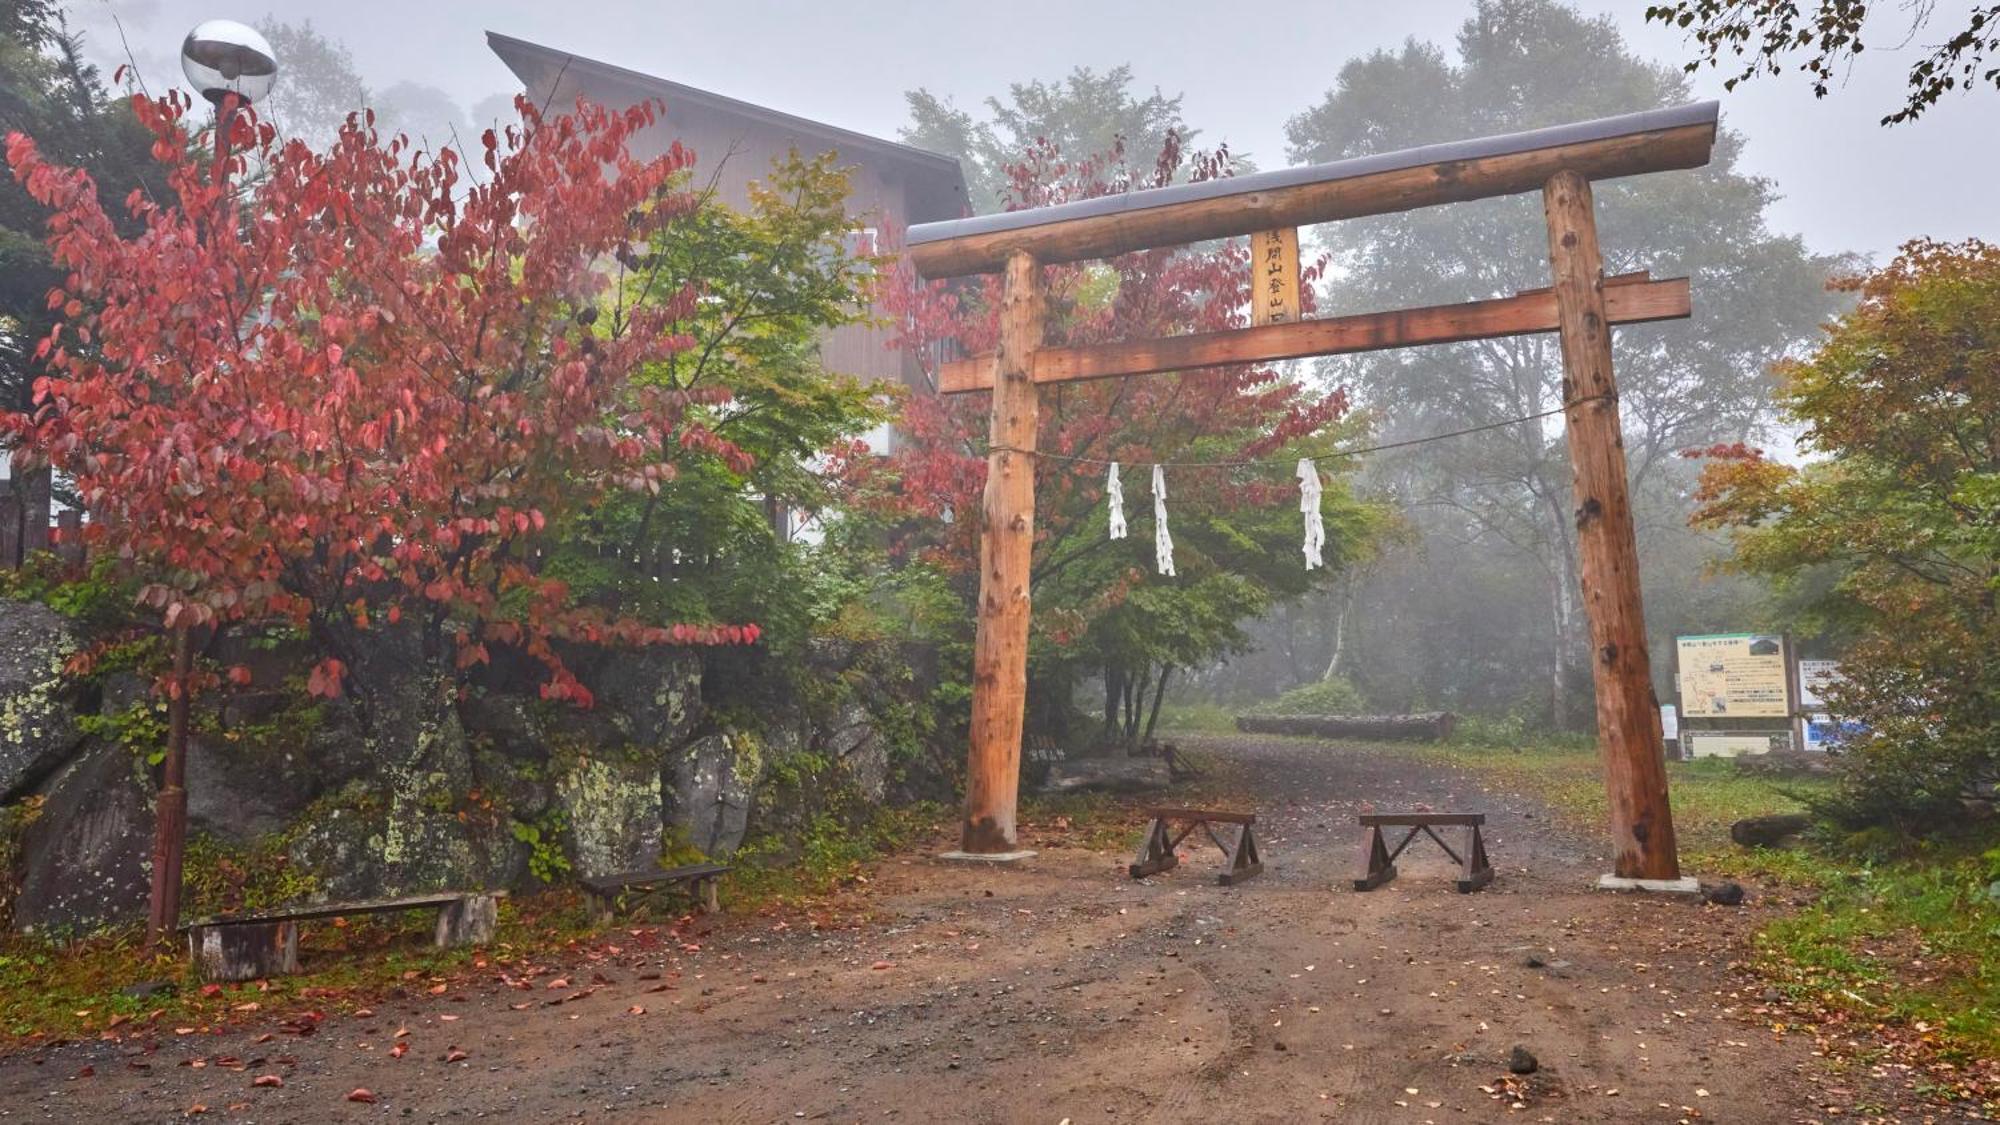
<point x="1848" y="183"/>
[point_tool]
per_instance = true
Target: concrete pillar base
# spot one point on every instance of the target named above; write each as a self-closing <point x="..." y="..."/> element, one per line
<point x="986" y="857"/>
<point x="1685" y="885"/>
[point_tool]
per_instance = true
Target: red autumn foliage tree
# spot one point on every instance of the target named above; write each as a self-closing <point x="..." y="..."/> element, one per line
<point x="367" y="388"/>
<point x="1098" y="603"/>
<point x="353" y="399"/>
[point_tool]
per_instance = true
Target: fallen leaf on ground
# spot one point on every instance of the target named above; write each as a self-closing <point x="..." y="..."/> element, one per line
<point x="363" y="1095"/>
<point x="267" y="1080"/>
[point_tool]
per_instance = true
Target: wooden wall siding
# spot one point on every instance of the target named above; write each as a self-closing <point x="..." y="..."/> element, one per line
<point x="736" y="148"/>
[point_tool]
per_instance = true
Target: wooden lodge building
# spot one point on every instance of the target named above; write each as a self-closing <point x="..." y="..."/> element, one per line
<point x="893" y="183"/>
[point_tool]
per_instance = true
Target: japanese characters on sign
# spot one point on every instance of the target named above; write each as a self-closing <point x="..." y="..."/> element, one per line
<point x="1274" y="272"/>
<point x="1732" y="676"/>
<point x="1815" y="676"/>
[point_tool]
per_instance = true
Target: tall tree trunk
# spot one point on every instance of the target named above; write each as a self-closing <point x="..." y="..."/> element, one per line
<point x="1558" y="650"/>
<point x="1114" y="696"/>
<point x="1159" y="694"/>
<point x="163" y="907"/>
<point x="1343" y="601"/>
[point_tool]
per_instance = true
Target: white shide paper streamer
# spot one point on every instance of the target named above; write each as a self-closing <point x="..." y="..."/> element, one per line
<point x="1114" y="493"/>
<point x="1163" y="543"/>
<point x="1309" y="494"/>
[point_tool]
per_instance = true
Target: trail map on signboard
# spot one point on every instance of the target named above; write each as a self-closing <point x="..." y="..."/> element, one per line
<point x="1733" y="676"/>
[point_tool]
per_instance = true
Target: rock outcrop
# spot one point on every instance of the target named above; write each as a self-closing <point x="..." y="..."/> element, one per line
<point x="411" y="783"/>
<point x="38" y="730"/>
<point x="87" y="850"/>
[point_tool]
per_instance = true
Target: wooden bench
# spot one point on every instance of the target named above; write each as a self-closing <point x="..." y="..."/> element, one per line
<point x="1378" y="863"/>
<point x="1157" y="853"/>
<point x="605" y="890"/>
<point x="1043" y="749"/>
<point x="265" y="943"/>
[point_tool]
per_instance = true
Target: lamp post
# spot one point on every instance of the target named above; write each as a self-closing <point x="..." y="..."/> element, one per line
<point x="232" y="66"/>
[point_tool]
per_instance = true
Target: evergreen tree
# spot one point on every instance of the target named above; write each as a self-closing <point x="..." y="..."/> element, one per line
<point x="48" y="92"/>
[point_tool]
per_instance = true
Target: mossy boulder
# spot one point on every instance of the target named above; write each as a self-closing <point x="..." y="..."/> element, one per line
<point x="38" y="729"/>
<point x="652" y="697"/>
<point x="268" y="761"/>
<point x="612" y="804"/>
<point x="711" y="786"/>
<point x="87" y="852"/>
<point x="409" y="839"/>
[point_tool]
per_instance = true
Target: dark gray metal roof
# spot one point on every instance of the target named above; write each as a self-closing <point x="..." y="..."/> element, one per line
<point x="522" y="56"/>
<point x="1604" y="128"/>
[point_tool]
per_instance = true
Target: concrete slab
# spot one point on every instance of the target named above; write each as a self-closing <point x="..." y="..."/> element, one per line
<point x="986" y="857"/>
<point x="1685" y="885"/>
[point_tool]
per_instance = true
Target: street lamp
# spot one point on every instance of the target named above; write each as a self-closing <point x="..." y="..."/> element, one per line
<point x="233" y="66"/>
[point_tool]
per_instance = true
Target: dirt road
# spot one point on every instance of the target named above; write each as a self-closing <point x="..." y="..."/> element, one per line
<point x="1061" y="990"/>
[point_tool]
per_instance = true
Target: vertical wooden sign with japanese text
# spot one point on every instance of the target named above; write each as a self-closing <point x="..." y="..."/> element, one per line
<point x="1274" y="271"/>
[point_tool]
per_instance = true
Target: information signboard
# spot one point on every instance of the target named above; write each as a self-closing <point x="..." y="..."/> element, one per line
<point x="1726" y="745"/>
<point x="1814" y="678"/>
<point x="1733" y="676"/>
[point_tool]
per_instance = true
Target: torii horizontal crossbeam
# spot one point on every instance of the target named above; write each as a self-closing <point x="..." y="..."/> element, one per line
<point x="1628" y="298"/>
<point x="1654" y="141"/>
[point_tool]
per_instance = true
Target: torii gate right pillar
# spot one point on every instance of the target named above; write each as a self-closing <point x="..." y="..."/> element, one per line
<point x="1628" y="713"/>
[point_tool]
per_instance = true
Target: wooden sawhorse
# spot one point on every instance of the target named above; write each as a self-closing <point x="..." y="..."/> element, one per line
<point x="1378" y="863"/>
<point x="1157" y="853"/>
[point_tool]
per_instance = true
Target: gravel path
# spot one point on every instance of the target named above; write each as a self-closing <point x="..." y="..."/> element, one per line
<point x="1060" y="989"/>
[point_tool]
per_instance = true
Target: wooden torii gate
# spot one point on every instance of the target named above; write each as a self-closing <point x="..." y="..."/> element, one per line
<point x="1582" y="305"/>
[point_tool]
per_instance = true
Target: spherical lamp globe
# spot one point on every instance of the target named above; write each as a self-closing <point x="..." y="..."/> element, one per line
<point x="223" y="57"/>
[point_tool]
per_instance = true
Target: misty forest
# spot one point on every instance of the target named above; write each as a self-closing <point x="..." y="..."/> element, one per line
<point x="548" y="585"/>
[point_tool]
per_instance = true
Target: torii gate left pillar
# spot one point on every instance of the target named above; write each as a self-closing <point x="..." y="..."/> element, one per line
<point x="1006" y="552"/>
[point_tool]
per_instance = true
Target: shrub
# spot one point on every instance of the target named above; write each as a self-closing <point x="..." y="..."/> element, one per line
<point x="1327" y="697"/>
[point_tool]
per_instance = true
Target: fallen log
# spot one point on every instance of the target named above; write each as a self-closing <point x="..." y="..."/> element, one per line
<point x="1769" y="831"/>
<point x="1427" y="726"/>
<point x="1113" y="775"/>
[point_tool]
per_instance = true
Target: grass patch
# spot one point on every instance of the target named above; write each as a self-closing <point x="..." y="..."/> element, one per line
<point x="829" y="854"/>
<point x="1913" y="943"/>
<point x="1198" y="718"/>
<point x="63" y="991"/>
<point x="1708" y="795"/>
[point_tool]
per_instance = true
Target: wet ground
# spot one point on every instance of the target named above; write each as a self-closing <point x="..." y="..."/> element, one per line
<point x="1062" y="990"/>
